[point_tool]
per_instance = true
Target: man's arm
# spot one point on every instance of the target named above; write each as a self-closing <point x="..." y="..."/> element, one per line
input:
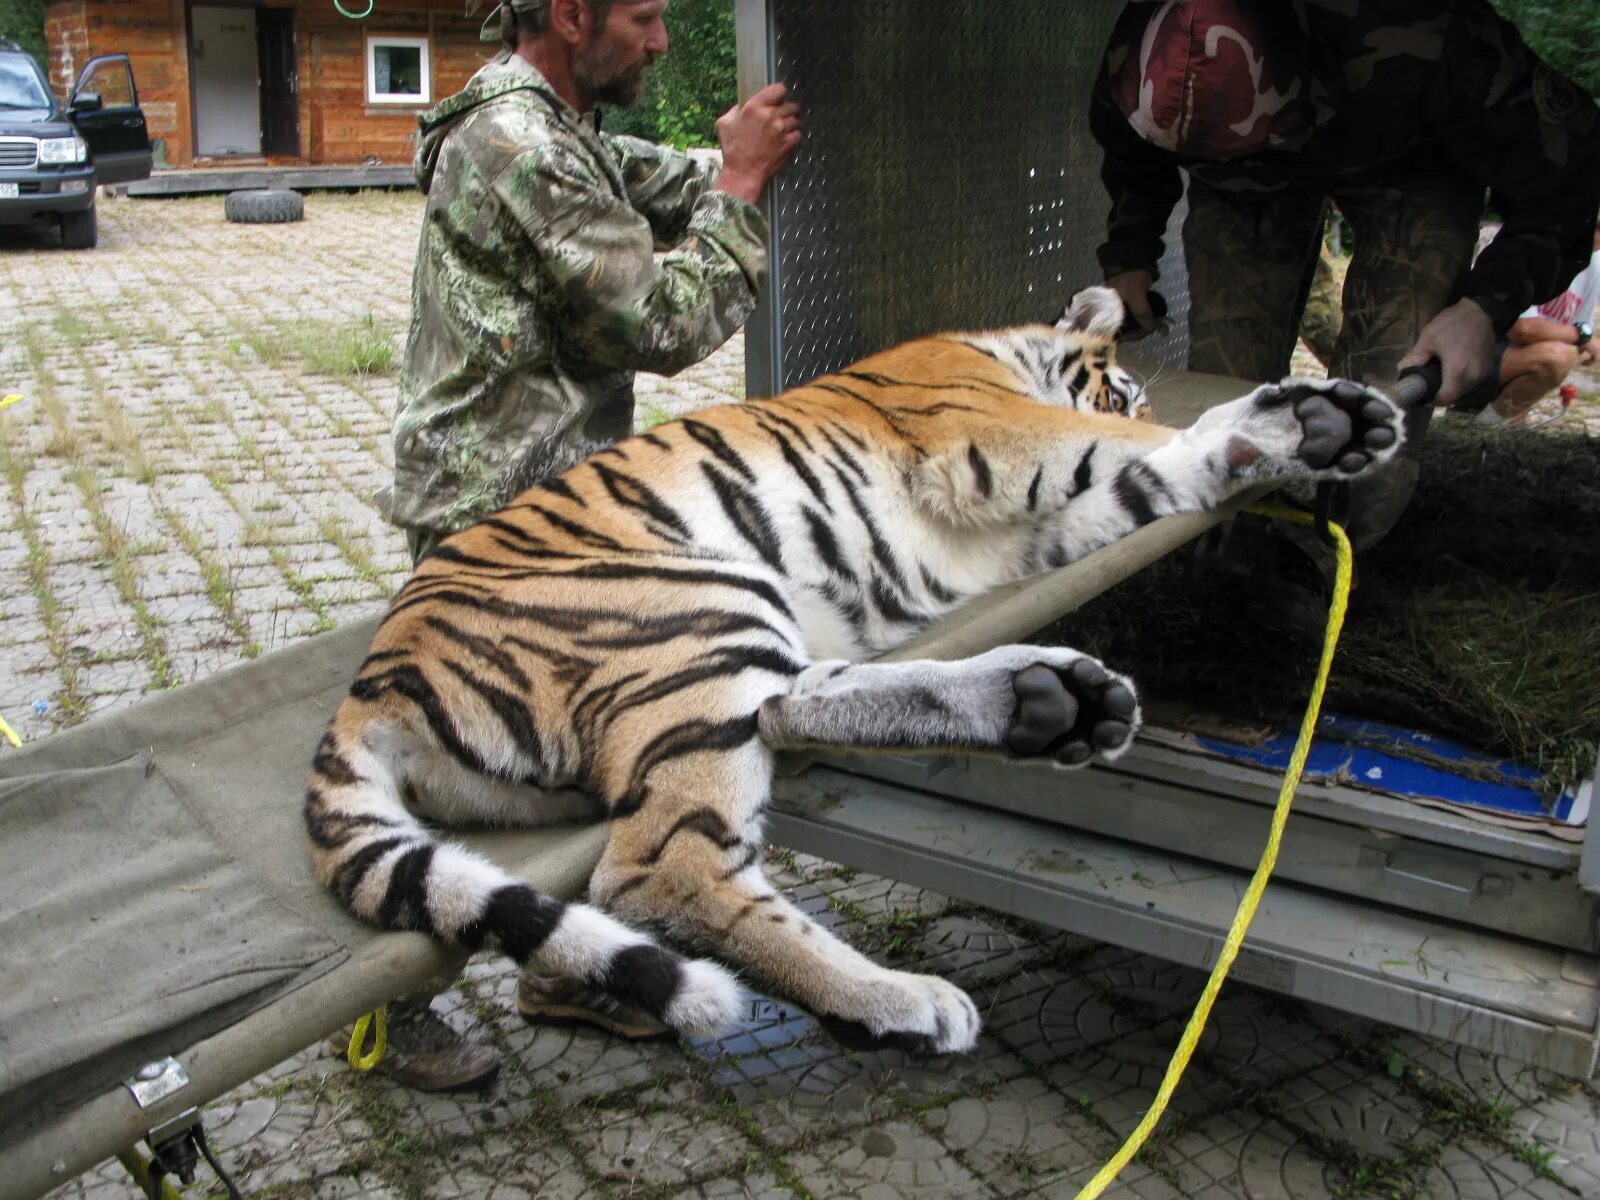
<point x="625" y="310"/>
<point x="1144" y="185"/>
<point x="1533" y="137"/>
<point x="664" y="184"/>
<point x="1528" y="330"/>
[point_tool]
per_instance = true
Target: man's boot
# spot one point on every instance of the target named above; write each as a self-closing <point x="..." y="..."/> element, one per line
<point x="425" y="1053"/>
<point x="549" y="1000"/>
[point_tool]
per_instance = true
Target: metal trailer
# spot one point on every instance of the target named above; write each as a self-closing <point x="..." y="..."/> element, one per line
<point x="948" y="180"/>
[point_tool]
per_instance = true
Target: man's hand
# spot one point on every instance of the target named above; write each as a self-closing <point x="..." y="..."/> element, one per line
<point x="757" y="138"/>
<point x="1134" y="288"/>
<point x="1462" y="339"/>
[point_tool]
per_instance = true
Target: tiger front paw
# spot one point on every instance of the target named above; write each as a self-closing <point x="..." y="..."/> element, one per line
<point x="1070" y="711"/>
<point x="1339" y="428"/>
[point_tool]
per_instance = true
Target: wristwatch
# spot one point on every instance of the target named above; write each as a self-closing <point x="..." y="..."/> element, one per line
<point x="1585" y="332"/>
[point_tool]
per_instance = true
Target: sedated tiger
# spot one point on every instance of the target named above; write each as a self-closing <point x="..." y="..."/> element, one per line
<point x="636" y="637"/>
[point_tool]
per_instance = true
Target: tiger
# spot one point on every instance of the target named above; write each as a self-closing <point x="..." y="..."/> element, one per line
<point x="636" y="638"/>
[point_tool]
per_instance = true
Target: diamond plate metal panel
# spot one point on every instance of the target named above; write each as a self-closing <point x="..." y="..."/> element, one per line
<point x="948" y="178"/>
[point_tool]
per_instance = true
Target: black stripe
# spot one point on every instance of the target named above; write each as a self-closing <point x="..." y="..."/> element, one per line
<point x="797" y="464"/>
<point x="849" y="459"/>
<point x="560" y="487"/>
<point x="890" y="604"/>
<point x="594" y="707"/>
<point x="1033" y="489"/>
<point x="331" y="765"/>
<point x="409" y="682"/>
<point x="519" y="918"/>
<point x="980" y="469"/>
<point x="453" y="554"/>
<point x="632" y="493"/>
<point x="1130" y="491"/>
<point x="880" y="549"/>
<point x="679" y="741"/>
<point x="1079" y="382"/>
<point x="613" y="449"/>
<point x="584" y="534"/>
<point x="713" y="441"/>
<point x="347" y="879"/>
<point x="707" y="822"/>
<point x="378" y="656"/>
<point x="482" y="647"/>
<point x="937" y="589"/>
<point x="745" y="514"/>
<point x="724" y="663"/>
<point x="656" y="440"/>
<point x="827" y="546"/>
<point x="625" y="570"/>
<point x="644" y="975"/>
<point x="329" y="831"/>
<point x="405" y="904"/>
<point x="744" y="861"/>
<point x="766" y="413"/>
<point x="704" y="623"/>
<point x="511" y="711"/>
<point x="1083" y="473"/>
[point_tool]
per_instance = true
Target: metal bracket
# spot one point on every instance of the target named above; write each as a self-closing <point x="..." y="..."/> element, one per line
<point x="176" y="1147"/>
<point x="154" y="1082"/>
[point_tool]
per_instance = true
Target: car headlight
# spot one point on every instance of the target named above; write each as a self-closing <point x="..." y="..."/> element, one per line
<point x="61" y="151"/>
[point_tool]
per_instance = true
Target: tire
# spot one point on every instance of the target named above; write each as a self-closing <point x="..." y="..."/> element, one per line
<point x="267" y="206"/>
<point x="79" y="230"/>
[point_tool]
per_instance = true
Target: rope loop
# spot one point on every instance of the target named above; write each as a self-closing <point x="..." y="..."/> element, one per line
<point x="378" y="1022"/>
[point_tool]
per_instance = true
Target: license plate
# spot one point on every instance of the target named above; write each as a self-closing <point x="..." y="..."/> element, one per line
<point x="8" y="191"/>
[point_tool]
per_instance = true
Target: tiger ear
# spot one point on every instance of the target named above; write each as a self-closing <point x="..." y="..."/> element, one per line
<point x="1095" y="311"/>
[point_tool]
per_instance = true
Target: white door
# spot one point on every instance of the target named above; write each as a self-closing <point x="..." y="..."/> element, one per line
<point x="226" y="81"/>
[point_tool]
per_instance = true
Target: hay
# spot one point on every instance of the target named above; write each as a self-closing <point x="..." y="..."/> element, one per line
<point x="1478" y="618"/>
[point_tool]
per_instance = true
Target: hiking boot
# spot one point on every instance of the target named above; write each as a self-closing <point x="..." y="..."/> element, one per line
<point x="425" y="1053"/>
<point x="551" y="1000"/>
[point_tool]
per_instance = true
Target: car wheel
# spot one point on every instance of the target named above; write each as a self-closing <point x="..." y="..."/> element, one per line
<point x="79" y="230"/>
<point x="266" y="206"/>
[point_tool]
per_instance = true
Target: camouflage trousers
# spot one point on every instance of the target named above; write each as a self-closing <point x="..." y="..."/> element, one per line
<point x="1253" y="263"/>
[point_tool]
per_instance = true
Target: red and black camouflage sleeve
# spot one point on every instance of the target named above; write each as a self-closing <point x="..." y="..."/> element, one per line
<point x="1532" y="136"/>
<point x="1142" y="180"/>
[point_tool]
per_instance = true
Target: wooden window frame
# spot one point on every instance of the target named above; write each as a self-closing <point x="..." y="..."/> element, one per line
<point x="423" y="43"/>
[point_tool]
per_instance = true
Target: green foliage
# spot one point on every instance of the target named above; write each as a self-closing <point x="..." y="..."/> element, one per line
<point x="1565" y="33"/>
<point x="692" y="85"/>
<point x="23" y="22"/>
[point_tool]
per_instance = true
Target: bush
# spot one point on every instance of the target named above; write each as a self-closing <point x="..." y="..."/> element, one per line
<point x="23" y="22"/>
<point x="1565" y="33"/>
<point x="693" y="85"/>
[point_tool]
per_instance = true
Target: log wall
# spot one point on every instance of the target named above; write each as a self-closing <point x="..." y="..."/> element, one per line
<point x="337" y="125"/>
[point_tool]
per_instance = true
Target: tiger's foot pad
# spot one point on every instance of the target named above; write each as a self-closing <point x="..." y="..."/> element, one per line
<point x="1344" y="426"/>
<point x="1068" y="713"/>
<point x="920" y="1014"/>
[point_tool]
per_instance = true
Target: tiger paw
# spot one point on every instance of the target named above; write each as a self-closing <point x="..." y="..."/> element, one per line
<point x="1070" y="712"/>
<point x="1337" y="428"/>
<point x="920" y="1014"/>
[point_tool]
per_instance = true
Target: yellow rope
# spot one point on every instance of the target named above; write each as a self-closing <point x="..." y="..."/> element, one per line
<point x="8" y="401"/>
<point x="9" y="733"/>
<point x="378" y="1021"/>
<point x="1258" y="883"/>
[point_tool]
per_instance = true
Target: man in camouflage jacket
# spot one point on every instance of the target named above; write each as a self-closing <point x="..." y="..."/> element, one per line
<point x="1403" y="113"/>
<point x="536" y="294"/>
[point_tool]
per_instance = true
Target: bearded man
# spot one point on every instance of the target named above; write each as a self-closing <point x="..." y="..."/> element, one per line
<point x="536" y="297"/>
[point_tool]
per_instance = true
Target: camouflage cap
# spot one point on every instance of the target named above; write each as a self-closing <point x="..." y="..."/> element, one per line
<point x="501" y="25"/>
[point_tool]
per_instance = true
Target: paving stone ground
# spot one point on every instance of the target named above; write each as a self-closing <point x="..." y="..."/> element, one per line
<point x="188" y="482"/>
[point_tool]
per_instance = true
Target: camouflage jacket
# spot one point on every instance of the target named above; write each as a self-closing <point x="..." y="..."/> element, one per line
<point x="1390" y="87"/>
<point x="537" y="294"/>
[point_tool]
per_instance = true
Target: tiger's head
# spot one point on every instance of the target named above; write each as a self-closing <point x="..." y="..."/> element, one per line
<point x="1092" y="319"/>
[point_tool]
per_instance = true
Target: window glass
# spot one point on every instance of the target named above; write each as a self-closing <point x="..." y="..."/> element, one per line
<point x="397" y="70"/>
<point x="19" y="86"/>
<point x="114" y="83"/>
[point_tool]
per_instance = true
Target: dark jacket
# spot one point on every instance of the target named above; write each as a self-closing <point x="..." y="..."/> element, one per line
<point x="1397" y="87"/>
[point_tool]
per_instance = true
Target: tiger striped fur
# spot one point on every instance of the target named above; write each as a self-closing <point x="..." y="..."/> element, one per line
<point x="636" y="637"/>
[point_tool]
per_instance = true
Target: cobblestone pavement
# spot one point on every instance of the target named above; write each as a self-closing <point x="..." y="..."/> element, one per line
<point x="187" y="482"/>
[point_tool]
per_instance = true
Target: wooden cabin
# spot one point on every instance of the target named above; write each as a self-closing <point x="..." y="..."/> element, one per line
<point x="279" y="82"/>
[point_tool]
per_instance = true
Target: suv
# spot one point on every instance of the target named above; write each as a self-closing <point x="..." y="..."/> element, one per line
<point x="52" y="159"/>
